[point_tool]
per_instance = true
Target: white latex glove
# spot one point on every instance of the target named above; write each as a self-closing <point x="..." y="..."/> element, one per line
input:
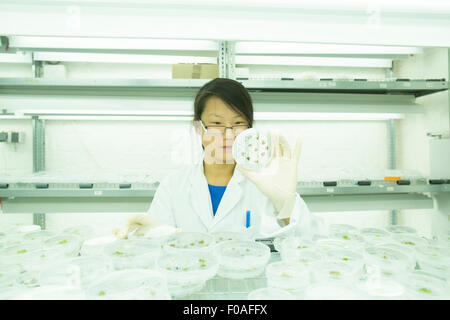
<point x="136" y="224"/>
<point x="278" y="181"/>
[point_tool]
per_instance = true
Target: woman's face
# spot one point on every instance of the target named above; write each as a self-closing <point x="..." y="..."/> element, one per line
<point x="217" y="144"/>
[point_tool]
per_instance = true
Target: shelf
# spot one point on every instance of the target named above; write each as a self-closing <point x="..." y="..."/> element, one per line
<point x="378" y="196"/>
<point x="417" y="88"/>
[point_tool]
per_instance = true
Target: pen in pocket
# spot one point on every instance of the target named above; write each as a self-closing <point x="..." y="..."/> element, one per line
<point x="247" y="219"/>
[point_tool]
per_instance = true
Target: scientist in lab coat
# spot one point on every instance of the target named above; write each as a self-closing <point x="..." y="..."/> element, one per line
<point x="216" y="194"/>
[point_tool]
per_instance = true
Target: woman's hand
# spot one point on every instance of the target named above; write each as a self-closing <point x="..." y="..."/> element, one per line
<point x="137" y="224"/>
<point x="278" y="181"/>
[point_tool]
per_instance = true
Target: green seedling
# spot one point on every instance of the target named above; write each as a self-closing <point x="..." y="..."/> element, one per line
<point x="62" y="241"/>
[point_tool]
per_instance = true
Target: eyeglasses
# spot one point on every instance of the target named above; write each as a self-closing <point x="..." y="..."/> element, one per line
<point x="222" y="129"/>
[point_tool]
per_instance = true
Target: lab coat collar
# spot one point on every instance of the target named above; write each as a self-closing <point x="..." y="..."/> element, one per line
<point x="201" y="199"/>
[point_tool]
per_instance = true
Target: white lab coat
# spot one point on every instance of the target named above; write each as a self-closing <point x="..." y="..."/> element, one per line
<point x="182" y="200"/>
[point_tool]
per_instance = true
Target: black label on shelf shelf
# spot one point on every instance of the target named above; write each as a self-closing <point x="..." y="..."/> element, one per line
<point x="330" y="183"/>
<point x="4" y="186"/>
<point x="86" y="185"/>
<point x="437" y="181"/>
<point x="125" y="186"/>
<point x="403" y="182"/>
<point x="364" y="183"/>
<point x="41" y="185"/>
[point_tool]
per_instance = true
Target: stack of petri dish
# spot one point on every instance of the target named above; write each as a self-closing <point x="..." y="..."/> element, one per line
<point x="383" y="260"/>
<point x="96" y="246"/>
<point x="51" y="293"/>
<point x="83" y="231"/>
<point x="375" y="236"/>
<point x="190" y="242"/>
<point x="240" y="259"/>
<point x="293" y="247"/>
<point x="270" y="294"/>
<point x="332" y="291"/>
<point x="400" y="229"/>
<point x="228" y="236"/>
<point x="132" y="254"/>
<point x="293" y="277"/>
<point x="434" y="259"/>
<point x="424" y="286"/>
<point x="71" y="244"/>
<point x="187" y="272"/>
<point x="85" y="271"/>
<point x="131" y="284"/>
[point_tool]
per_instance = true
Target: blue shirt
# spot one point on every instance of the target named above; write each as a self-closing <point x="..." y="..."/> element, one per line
<point x="216" y="195"/>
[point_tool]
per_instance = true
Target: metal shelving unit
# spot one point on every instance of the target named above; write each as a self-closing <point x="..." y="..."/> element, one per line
<point x="417" y="88"/>
<point x="382" y="195"/>
<point x="377" y="196"/>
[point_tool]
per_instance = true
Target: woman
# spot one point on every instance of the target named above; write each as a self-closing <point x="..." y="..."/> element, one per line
<point x="212" y="196"/>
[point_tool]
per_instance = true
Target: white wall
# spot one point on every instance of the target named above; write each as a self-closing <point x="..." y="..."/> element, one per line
<point x="412" y="141"/>
<point x="102" y="146"/>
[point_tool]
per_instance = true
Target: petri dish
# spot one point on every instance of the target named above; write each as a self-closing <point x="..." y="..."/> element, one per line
<point x="187" y="272"/>
<point x="331" y="291"/>
<point x="351" y="258"/>
<point x="406" y="250"/>
<point x="422" y="286"/>
<point x="270" y="294"/>
<point x="329" y="270"/>
<point x="382" y="288"/>
<point x="292" y="247"/>
<point x="83" y="231"/>
<point x="352" y="240"/>
<point x="306" y="257"/>
<point x="133" y="254"/>
<point x="396" y="229"/>
<point x="71" y="244"/>
<point x="386" y="261"/>
<point x="228" y="236"/>
<point x="252" y="149"/>
<point x="96" y="246"/>
<point x="409" y="240"/>
<point x="131" y="284"/>
<point x="41" y="258"/>
<point x="7" y="277"/>
<point x="13" y="254"/>
<point x="189" y="242"/>
<point x="28" y="279"/>
<point x="434" y="259"/>
<point x="38" y="236"/>
<point x="241" y="259"/>
<point x="375" y="236"/>
<point x="52" y="293"/>
<point x="287" y="275"/>
<point x="342" y="228"/>
<point x="91" y="268"/>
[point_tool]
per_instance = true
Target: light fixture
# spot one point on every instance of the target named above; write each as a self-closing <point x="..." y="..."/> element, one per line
<point x="120" y="58"/>
<point x="111" y="43"/>
<point x="313" y="61"/>
<point x="293" y="48"/>
<point x="296" y="116"/>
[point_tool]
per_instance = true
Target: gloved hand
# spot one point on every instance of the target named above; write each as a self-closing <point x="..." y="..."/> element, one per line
<point x="136" y="224"/>
<point x="278" y="181"/>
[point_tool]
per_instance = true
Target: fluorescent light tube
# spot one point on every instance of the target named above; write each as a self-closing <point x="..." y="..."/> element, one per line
<point x="119" y="58"/>
<point x="248" y="47"/>
<point x="111" y="43"/>
<point x="123" y="117"/>
<point x="313" y="61"/>
<point x="326" y="116"/>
